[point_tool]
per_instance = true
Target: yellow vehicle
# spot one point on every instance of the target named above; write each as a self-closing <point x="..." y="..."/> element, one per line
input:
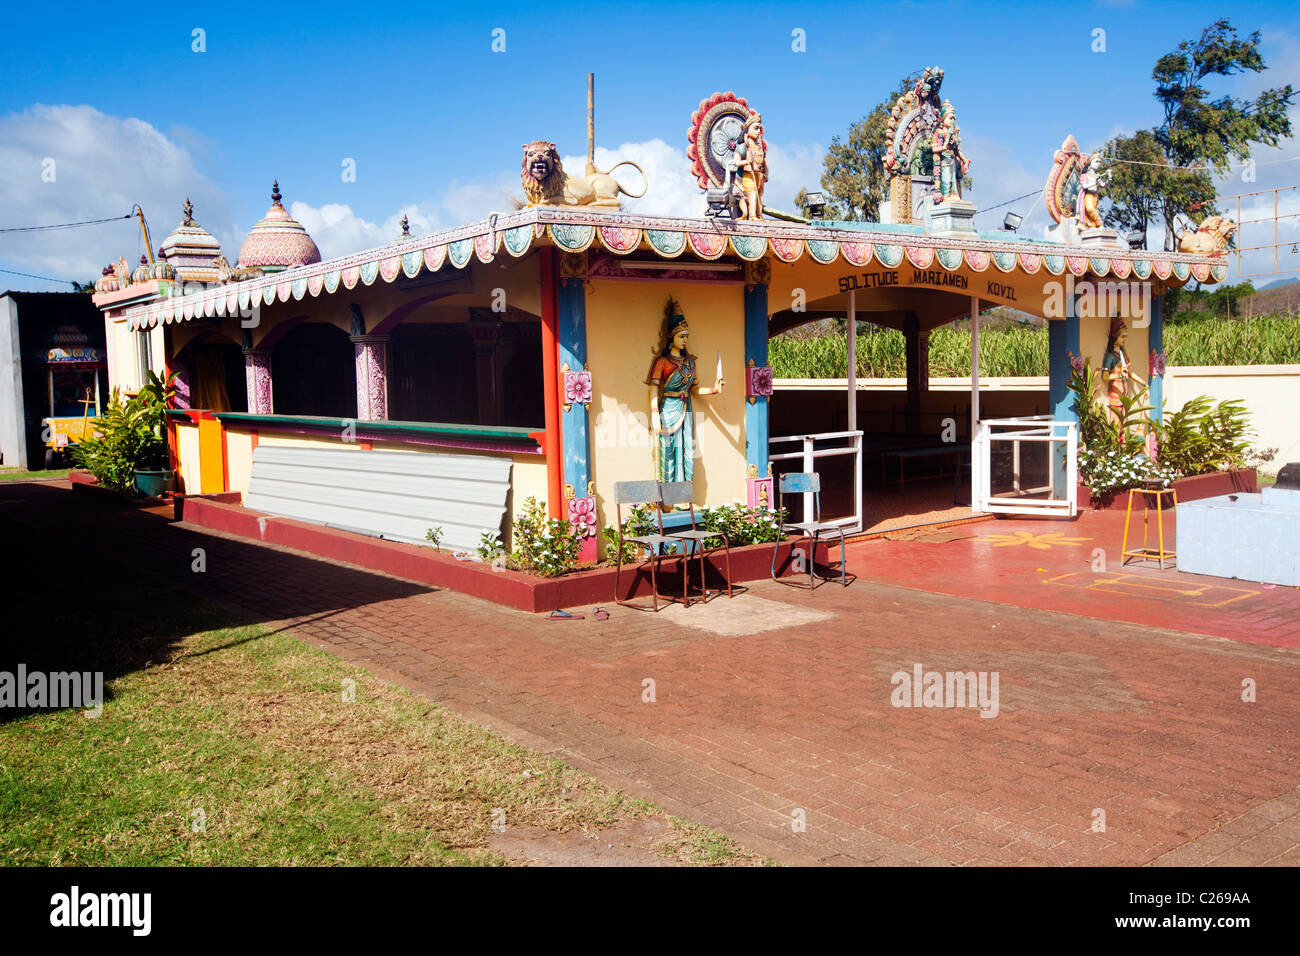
<point x="72" y="399"/>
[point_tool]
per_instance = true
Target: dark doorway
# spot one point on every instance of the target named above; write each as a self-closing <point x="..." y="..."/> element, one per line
<point x="217" y="376"/>
<point x="313" y="372"/>
<point x="432" y="375"/>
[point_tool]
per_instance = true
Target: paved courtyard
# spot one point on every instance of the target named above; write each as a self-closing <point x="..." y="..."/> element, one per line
<point x="1120" y="737"/>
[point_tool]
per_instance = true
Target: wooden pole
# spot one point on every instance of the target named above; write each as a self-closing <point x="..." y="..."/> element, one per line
<point x="852" y="371"/>
<point x="974" y="364"/>
<point x="591" y="123"/>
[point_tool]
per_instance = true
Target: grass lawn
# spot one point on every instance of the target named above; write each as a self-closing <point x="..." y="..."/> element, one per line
<point x="13" y="474"/>
<point x="235" y="746"/>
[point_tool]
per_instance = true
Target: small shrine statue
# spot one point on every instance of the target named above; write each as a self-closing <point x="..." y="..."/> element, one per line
<point x="672" y="420"/>
<point x="1090" y="182"/>
<point x="751" y="160"/>
<point x="950" y="164"/>
<point x="1117" y="372"/>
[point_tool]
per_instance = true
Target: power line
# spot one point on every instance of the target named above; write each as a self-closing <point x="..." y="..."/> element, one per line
<point x="28" y="275"/>
<point x="68" y="225"/>
<point x="1201" y="169"/>
<point x="1009" y="201"/>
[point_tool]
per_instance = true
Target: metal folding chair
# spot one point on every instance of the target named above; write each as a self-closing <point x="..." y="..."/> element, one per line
<point x="638" y="493"/>
<point x="800" y="483"/>
<point x="680" y="492"/>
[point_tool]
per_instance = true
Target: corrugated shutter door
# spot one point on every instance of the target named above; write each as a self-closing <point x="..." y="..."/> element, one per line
<point x="398" y="495"/>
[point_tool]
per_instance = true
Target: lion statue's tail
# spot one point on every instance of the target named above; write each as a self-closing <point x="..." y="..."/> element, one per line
<point x="645" y="182"/>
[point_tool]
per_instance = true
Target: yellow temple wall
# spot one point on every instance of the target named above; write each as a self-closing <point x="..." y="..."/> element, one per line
<point x="624" y="323"/>
<point x="239" y="459"/>
<point x="187" y="458"/>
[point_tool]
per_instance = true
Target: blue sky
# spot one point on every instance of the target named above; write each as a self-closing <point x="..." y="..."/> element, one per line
<point x="434" y="118"/>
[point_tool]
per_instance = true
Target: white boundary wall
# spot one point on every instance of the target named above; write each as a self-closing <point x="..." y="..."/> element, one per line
<point x="1271" y="394"/>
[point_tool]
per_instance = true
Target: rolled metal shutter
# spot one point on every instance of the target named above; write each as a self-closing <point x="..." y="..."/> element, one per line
<point x="396" y="495"/>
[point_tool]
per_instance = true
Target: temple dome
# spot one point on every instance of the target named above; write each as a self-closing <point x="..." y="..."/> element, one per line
<point x="190" y="249"/>
<point x="278" y="241"/>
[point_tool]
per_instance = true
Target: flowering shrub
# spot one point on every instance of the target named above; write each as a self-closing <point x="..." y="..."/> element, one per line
<point x="545" y="546"/>
<point x="740" y="524"/>
<point x="743" y="525"/>
<point x="1111" y="470"/>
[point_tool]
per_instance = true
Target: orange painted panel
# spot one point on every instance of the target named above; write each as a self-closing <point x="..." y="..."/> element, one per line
<point x="212" y="457"/>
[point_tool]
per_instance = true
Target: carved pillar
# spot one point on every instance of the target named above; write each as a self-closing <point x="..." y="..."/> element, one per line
<point x="485" y="331"/>
<point x="372" y="377"/>
<point x="257" y="377"/>
<point x="183" y="383"/>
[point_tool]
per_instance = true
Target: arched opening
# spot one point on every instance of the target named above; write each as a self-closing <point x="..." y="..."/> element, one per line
<point x="313" y="369"/>
<point x="432" y="374"/>
<point x="216" y="370"/>
<point x="466" y="366"/>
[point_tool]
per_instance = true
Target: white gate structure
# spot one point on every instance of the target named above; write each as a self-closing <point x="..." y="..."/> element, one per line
<point x="1039" y="456"/>
<point x="844" y="443"/>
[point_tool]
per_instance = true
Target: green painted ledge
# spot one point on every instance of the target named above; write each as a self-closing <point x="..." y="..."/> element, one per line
<point x="493" y="434"/>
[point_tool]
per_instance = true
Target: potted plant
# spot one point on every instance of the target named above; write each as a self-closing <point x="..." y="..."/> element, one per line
<point x="152" y="472"/>
<point x="130" y="448"/>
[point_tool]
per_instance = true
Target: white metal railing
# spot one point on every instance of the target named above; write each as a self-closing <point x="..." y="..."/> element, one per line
<point x="808" y="455"/>
<point x="1061" y="489"/>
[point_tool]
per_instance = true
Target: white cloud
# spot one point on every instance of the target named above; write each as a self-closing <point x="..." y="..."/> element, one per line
<point x="102" y="166"/>
<point x="673" y="190"/>
<point x="339" y="231"/>
<point x="999" y="176"/>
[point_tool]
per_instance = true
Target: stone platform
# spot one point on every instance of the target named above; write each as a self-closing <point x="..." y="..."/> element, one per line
<point x="1251" y="537"/>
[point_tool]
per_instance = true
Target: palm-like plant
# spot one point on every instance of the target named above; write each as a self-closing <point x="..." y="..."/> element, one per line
<point x="1201" y="437"/>
<point x="130" y="436"/>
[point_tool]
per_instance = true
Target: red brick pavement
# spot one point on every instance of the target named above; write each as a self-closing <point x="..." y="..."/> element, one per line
<point x="1053" y="565"/>
<point x="749" y="731"/>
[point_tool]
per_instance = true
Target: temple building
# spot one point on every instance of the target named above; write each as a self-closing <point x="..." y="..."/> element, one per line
<point x="440" y="380"/>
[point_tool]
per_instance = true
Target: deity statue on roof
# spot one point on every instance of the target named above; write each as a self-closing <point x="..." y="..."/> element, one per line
<point x="1072" y="195"/>
<point x="1090" y="183"/>
<point x="751" y="160"/>
<point x="923" y="154"/>
<point x="949" y="163"/>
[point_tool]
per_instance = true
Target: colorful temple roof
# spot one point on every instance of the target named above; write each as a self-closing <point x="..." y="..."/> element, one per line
<point x="190" y="249"/>
<point x="278" y="241"/>
<point x="621" y="234"/>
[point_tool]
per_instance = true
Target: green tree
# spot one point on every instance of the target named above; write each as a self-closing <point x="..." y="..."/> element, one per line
<point x="853" y="172"/>
<point x="1139" y="177"/>
<point x="1210" y="133"/>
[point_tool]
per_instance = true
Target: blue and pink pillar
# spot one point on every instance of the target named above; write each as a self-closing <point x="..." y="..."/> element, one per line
<point x="1156" y="343"/>
<point x="758" y="390"/>
<point x="574" y="398"/>
<point x="1062" y="346"/>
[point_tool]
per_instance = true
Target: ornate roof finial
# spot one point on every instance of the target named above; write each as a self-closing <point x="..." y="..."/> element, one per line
<point x="275" y="191"/>
<point x="189" y="213"/>
<point x="406" y="226"/>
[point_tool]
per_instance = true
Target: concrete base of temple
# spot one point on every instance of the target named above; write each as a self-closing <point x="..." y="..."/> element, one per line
<point x="1066" y="232"/>
<point x="1101" y="238"/>
<point x="948" y="217"/>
